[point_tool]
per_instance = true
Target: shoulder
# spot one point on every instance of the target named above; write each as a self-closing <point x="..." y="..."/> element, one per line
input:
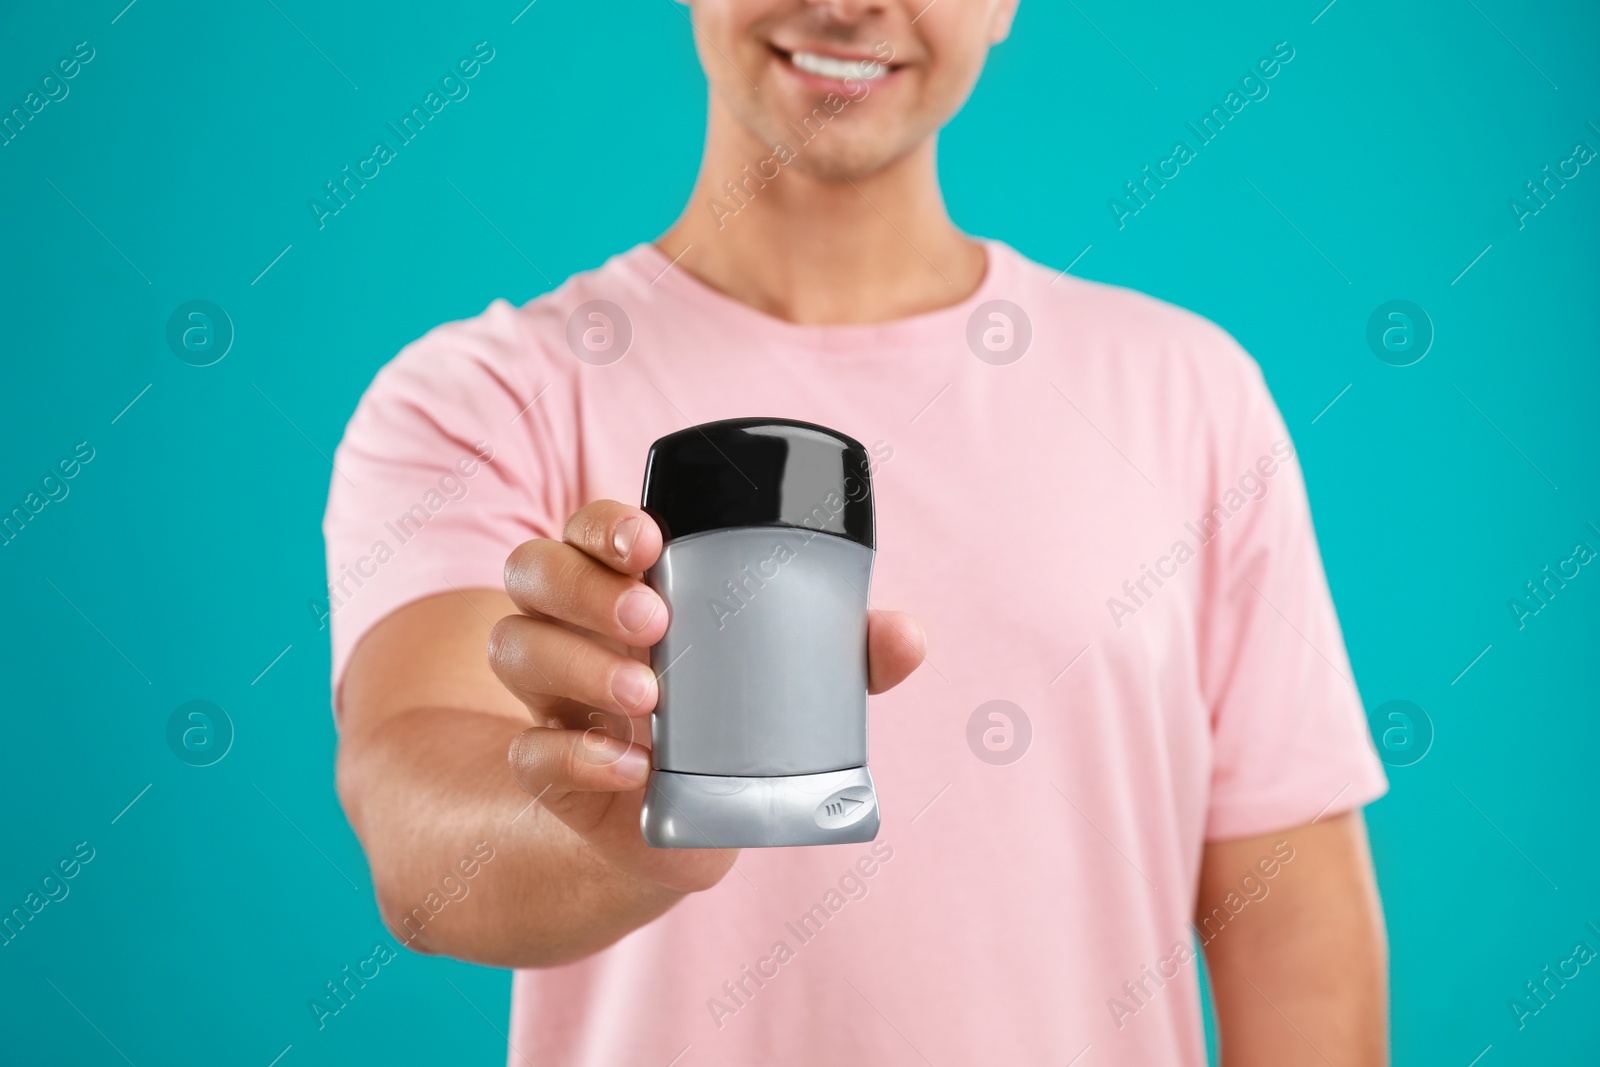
<point x="505" y="353"/>
<point x="1128" y="332"/>
<point x="1133" y="323"/>
<point x="506" y="335"/>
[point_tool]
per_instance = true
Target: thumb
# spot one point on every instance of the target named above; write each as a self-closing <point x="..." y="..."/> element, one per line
<point x="896" y="646"/>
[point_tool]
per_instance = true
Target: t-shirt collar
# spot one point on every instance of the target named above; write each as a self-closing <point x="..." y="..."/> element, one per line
<point x="941" y="325"/>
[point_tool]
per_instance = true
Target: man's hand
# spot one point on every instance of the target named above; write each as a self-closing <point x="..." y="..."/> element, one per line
<point x="575" y="658"/>
<point x="426" y="724"/>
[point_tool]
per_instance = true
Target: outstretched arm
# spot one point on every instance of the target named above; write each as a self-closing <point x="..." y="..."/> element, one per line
<point x="429" y="723"/>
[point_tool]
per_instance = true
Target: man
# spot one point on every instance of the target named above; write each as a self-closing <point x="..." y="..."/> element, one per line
<point x="1086" y="499"/>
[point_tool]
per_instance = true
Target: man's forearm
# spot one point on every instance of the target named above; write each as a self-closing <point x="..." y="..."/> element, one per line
<point x="425" y="788"/>
<point x="1297" y="957"/>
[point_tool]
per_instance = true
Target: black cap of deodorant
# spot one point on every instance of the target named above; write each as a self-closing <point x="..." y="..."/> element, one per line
<point x="760" y="472"/>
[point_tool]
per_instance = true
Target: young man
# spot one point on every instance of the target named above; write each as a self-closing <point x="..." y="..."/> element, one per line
<point x="1135" y="735"/>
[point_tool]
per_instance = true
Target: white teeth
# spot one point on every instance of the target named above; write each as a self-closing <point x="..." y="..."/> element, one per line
<point x="840" y="69"/>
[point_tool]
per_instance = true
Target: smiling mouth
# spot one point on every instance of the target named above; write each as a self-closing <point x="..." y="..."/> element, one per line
<point x="834" y="68"/>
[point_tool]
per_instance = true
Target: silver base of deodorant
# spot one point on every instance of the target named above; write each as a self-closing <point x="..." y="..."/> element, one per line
<point x="715" y="811"/>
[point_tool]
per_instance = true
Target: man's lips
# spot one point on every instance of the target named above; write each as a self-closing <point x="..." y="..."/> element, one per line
<point x="831" y="70"/>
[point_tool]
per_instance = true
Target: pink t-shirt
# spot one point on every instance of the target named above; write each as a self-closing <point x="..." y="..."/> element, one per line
<point x="1091" y="503"/>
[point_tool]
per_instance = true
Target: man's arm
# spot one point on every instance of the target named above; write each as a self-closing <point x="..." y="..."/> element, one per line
<point x="429" y="722"/>
<point x="422" y="774"/>
<point x="1299" y="975"/>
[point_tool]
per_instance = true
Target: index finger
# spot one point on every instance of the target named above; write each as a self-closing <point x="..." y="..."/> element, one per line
<point x="623" y="538"/>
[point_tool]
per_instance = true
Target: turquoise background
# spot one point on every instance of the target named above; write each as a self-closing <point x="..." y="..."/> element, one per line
<point x="188" y="556"/>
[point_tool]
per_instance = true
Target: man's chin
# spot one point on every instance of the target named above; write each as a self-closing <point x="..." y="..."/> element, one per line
<point x="839" y="169"/>
<point x="844" y="163"/>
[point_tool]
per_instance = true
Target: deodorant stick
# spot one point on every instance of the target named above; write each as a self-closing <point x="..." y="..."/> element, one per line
<point x="759" y="736"/>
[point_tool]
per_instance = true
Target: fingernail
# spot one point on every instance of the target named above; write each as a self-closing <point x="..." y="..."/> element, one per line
<point x="626" y="533"/>
<point x="634" y="764"/>
<point x="631" y="686"/>
<point x="636" y="609"/>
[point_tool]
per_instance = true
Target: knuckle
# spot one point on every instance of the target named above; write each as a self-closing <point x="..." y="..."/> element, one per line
<point x="573" y="763"/>
<point x="548" y="577"/>
<point x="508" y="655"/>
<point x="500" y="642"/>
<point x="589" y="527"/>
<point x="527" y="758"/>
<point x="574" y="524"/>
<point x="517" y="561"/>
<point x="522" y="569"/>
<point x="581" y="527"/>
<point x="517" y="752"/>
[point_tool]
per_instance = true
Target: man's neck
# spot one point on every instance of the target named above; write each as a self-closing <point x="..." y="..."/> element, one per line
<point x="816" y="251"/>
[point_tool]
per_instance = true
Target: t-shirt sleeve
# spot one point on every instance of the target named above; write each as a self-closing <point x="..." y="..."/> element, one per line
<point x="445" y="467"/>
<point x="1290" y="741"/>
